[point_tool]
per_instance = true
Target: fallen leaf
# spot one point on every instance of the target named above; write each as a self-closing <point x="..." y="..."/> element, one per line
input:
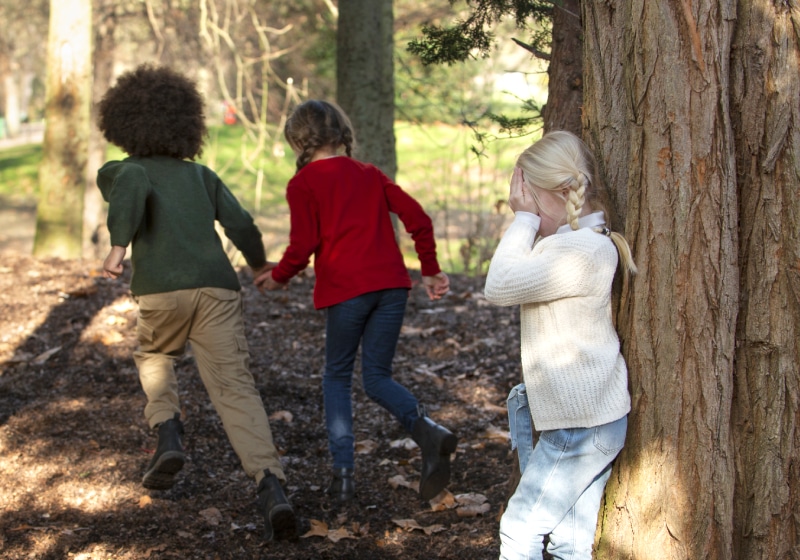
<point x="444" y="501"/>
<point x="470" y="498"/>
<point x="44" y="356"/>
<point x="283" y="415"/>
<point x="491" y="407"/>
<point x="496" y="433"/>
<point x="431" y="529"/>
<point x="405" y="443"/>
<point x="473" y="510"/>
<point x="211" y="515"/>
<point x="399" y="480"/>
<point x="365" y="446"/>
<point x="339" y="534"/>
<point x="408" y="524"/>
<point x="318" y="529"/>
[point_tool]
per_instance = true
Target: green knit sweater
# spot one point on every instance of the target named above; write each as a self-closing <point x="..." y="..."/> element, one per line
<point x="167" y="208"/>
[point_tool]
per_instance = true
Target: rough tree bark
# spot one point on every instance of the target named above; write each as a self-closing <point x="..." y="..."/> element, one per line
<point x="62" y="174"/>
<point x="365" y="78"/>
<point x="565" y="71"/>
<point x="656" y="111"/>
<point x="766" y="412"/>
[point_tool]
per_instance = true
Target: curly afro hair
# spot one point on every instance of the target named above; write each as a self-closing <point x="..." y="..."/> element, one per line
<point x="154" y="111"/>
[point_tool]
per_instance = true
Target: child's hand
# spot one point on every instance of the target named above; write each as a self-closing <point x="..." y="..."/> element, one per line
<point x="269" y="265"/>
<point x="264" y="280"/>
<point x="437" y="285"/>
<point x="520" y="197"/>
<point x="112" y="266"/>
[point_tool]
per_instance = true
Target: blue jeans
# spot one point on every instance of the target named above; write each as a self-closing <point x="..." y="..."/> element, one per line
<point x="562" y="484"/>
<point x="372" y="320"/>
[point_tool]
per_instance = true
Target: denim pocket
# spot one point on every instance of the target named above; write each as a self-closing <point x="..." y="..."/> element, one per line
<point x="610" y="438"/>
<point x="557" y="438"/>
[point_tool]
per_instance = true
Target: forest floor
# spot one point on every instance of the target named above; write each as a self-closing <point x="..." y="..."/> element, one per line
<point x="74" y="443"/>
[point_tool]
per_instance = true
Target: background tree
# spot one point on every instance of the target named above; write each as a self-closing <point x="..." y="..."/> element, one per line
<point x="62" y="174"/>
<point x="21" y="53"/>
<point x="554" y="35"/>
<point x="365" y="77"/>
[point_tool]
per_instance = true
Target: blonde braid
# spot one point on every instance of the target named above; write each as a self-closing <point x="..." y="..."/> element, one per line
<point x="623" y="248"/>
<point x="576" y="199"/>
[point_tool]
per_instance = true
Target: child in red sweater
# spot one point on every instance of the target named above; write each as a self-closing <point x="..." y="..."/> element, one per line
<point x="340" y="213"/>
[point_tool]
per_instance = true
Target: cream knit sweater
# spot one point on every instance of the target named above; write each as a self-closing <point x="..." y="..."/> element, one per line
<point x="574" y="373"/>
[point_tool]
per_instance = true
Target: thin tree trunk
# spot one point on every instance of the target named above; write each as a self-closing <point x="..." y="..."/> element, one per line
<point x="13" y="112"/>
<point x="766" y="411"/>
<point x="656" y="113"/>
<point x="62" y="174"/>
<point x="95" y="233"/>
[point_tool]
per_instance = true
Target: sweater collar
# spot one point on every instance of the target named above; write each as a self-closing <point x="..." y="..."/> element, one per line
<point x="595" y="219"/>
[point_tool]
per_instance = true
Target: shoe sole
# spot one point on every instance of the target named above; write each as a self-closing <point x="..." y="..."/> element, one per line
<point x="162" y="475"/>
<point x="284" y="523"/>
<point x="438" y="479"/>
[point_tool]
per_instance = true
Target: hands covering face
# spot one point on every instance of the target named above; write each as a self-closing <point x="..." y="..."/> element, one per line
<point x="520" y="196"/>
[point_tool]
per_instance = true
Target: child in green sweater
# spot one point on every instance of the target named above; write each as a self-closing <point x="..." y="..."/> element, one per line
<point x="165" y="208"/>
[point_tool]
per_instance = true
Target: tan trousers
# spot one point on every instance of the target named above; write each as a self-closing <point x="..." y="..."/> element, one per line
<point x="210" y="319"/>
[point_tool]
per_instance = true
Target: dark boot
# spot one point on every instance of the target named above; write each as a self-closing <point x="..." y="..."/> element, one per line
<point x="168" y="458"/>
<point x="437" y="444"/>
<point x="279" y="519"/>
<point x="343" y="486"/>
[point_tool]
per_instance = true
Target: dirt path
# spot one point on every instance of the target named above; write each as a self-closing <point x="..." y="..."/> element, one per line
<point x="73" y="442"/>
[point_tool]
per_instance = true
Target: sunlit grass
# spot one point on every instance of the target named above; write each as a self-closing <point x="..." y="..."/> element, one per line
<point x="19" y="168"/>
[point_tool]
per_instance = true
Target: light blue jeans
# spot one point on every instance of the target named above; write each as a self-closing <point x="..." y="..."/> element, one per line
<point x="562" y="484"/>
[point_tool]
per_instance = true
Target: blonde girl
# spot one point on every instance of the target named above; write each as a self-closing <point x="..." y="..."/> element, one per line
<point x="557" y="261"/>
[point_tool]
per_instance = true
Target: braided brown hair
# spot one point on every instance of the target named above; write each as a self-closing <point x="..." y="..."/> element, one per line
<point x="316" y="124"/>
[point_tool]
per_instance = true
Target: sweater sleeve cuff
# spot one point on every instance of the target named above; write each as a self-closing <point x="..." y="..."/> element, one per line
<point x="528" y="218"/>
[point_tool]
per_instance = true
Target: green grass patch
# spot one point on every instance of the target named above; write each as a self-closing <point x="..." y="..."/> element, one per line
<point x="19" y="172"/>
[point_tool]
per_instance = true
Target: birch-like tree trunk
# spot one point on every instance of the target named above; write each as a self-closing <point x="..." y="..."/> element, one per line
<point x="62" y="174"/>
<point x="657" y="114"/>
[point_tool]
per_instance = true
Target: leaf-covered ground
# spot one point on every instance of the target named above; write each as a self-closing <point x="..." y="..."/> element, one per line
<point x="74" y="443"/>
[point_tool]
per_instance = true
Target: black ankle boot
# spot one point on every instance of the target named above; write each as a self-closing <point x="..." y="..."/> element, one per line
<point x="437" y="444"/>
<point x="279" y="519"/>
<point x="168" y="458"/>
<point x="343" y="486"/>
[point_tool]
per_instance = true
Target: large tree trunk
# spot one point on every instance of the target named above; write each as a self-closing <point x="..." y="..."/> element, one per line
<point x="565" y="71"/>
<point x="766" y="413"/>
<point x="365" y="78"/>
<point x="656" y="112"/>
<point x="62" y="175"/>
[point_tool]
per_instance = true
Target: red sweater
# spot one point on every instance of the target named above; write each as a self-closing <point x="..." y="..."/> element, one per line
<point x="340" y="214"/>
